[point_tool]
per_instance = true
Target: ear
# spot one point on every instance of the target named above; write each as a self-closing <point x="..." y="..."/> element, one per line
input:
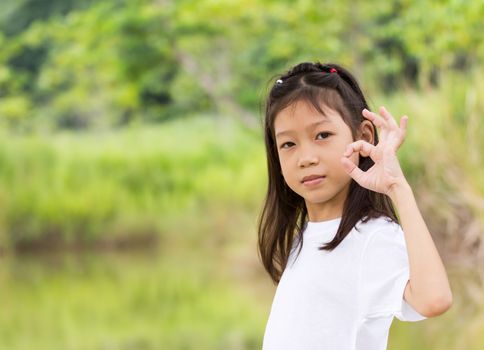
<point x="367" y="132"/>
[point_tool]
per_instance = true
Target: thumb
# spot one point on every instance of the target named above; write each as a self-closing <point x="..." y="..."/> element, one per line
<point x="348" y="165"/>
<point x="352" y="170"/>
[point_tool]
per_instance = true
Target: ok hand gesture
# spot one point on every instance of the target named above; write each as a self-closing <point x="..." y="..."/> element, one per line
<point x="386" y="172"/>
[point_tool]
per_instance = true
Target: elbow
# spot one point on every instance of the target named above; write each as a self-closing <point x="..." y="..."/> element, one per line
<point x="438" y="305"/>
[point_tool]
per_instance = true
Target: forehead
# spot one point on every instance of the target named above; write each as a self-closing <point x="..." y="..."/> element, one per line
<point x="301" y="114"/>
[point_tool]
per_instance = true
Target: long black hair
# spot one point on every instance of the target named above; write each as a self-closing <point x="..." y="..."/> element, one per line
<point x="284" y="214"/>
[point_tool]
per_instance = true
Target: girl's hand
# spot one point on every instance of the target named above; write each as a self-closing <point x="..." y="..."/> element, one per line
<point x="386" y="172"/>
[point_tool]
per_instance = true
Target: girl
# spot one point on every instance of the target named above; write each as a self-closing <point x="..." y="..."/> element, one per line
<point x="328" y="233"/>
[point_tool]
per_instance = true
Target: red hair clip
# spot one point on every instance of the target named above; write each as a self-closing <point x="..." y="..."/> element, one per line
<point x="333" y="70"/>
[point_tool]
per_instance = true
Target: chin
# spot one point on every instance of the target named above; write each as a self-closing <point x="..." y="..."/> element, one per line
<point x="320" y="197"/>
<point x="316" y="199"/>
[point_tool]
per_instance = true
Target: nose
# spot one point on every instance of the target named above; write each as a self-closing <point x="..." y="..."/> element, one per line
<point x="308" y="157"/>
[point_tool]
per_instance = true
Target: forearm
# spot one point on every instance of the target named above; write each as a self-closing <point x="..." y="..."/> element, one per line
<point x="429" y="285"/>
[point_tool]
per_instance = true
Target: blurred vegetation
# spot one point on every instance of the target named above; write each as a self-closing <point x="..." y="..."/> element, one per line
<point x="76" y="190"/>
<point x="96" y="188"/>
<point x="149" y="301"/>
<point x="129" y="124"/>
<point x="120" y="70"/>
<point x="87" y="64"/>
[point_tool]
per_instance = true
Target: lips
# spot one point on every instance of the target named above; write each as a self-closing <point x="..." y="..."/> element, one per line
<point x="312" y="177"/>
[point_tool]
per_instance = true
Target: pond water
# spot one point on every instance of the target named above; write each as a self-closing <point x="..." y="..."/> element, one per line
<point x="181" y="298"/>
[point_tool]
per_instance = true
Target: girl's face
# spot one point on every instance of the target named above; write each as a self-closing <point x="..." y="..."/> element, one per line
<point x="310" y="144"/>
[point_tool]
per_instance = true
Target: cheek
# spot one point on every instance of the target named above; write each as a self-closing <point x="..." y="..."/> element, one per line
<point x="286" y="168"/>
<point x="284" y="160"/>
<point x="282" y="163"/>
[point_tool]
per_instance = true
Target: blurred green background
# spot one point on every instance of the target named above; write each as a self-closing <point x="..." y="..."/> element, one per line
<point x="132" y="166"/>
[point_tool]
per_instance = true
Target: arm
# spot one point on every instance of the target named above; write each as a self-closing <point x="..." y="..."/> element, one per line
<point x="428" y="290"/>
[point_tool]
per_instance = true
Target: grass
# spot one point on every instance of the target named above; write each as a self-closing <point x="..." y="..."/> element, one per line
<point x="443" y="159"/>
<point x="135" y="184"/>
<point x="82" y="188"/>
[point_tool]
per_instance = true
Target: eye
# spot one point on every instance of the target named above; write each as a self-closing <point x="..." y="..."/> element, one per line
<point x="325" y="134"/>
<point x="286" y="143"/>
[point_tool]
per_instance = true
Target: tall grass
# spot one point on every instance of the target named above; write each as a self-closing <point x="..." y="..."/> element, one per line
<point x="111" y="186"/>
<point x="82" y="188"/>
<point x="443" y="157"/>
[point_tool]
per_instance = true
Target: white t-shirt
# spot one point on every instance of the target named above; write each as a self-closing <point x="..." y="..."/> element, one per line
<point x="345" y="299"/>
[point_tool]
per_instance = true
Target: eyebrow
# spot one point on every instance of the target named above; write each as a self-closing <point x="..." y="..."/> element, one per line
<point x="310" y="126"/>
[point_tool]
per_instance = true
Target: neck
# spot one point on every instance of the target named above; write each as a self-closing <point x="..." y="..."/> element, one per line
<point x="323" y="216"/>
<point x="328" y="210"/>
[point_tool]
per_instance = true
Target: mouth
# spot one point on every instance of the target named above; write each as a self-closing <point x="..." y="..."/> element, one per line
<point x="312" y="180"/>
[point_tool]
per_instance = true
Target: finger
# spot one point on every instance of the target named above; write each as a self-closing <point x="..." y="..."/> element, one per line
<point x="373" y="117"/>
<point x="403" y="125"/>
<point x="402" y="131"/>
<point x="352" y="170"/>
<point x="388" y="117"/>
<point x="362" y="147"/>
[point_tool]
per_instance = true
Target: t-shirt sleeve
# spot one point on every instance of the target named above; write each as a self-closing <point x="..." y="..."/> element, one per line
<point x="384" y="275"/>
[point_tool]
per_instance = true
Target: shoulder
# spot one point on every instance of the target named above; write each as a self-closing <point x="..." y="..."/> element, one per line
<point x="381" y="231"/>
<point x="379" y="224"/>
<point x="384" y="254"/>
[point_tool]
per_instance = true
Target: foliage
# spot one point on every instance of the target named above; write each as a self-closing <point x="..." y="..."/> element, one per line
<point x="81" y="189"/>
<point x="94" y="186"/>
<point x="85" y="64"/>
